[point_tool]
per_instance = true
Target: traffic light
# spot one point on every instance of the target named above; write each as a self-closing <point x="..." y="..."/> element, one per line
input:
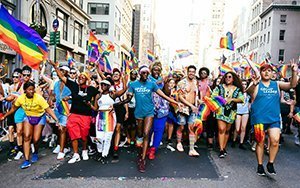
<point x="54" y="38"/>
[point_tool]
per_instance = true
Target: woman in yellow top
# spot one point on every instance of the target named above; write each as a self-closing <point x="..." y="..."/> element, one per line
<point x="35" y="107"/>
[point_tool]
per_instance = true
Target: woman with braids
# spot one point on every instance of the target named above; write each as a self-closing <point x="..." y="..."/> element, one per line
<point x="230" y="89"/>
<point x="34" y="106"/>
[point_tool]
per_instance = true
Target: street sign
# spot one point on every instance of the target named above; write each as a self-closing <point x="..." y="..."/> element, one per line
<point x="54" y="38"/>
<point x="55" y="24"/>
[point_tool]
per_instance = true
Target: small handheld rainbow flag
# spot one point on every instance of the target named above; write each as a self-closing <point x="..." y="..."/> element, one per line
<point x="93" y="48"/>
<point x="214" y="103"/>
<point x="297" y="117"/>
<point x="63" y="108"/>
<point x="247" y="72"/>
<point x="105" y="121"/>
<point x="183" y="53"/>
<point x="150" y="55"/>
<point x="224" y="69"/>
<point x="199" y="126"/>
<point x="203" y="112"/>
<point x="22" y="39"/>
<point x="283" y="69"/>
<point x="227" y="42"/>
<point x="70" y="59"/>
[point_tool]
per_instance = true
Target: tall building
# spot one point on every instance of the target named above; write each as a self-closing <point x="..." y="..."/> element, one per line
<point x="136" y="28"/>
<point x="194" y="41"/>
<point x="73" y="26"/>
<point x="112" y="21"/>
<point x="279" y="35"/>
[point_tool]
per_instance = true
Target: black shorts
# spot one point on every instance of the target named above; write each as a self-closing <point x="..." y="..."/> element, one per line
<point x="120" y="113"/>
<point x="11" y="121"/>
<point x="131" y="119"/>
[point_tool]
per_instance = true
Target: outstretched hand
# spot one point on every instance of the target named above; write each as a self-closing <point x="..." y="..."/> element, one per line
<point x="54" y="64"/>
<point x="255" y="79"/>
<point x="294" y="65"/>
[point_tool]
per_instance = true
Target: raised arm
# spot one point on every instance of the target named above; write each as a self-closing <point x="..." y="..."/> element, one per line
<point x="59" y="73"/>
<point x="293" y="82"/>
<point x="251" y="64"/>
<point x="121" y="92"/>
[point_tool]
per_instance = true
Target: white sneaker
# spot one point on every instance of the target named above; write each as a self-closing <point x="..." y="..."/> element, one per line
<point x="60" y="156"/>
<point x="179" y="147"/>
<point x="56" y="150"/>
<point x="85" y="155"/>
<point x="67" y="150"/>
<point x="297" y="142"/>
<point x="74" y="159"/>
<point x="18" y="156"/>
<point x="170" y="148"/>
<point x="253" y="148"/>
<point x="123" y="143"/>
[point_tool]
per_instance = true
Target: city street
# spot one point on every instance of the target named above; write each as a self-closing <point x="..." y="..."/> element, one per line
<point x="238" y="169"/>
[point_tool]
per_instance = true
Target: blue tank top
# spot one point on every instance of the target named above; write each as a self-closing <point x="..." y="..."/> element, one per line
<point x="265" y="108"/>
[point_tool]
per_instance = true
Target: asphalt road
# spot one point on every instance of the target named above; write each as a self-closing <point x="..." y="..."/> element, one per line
<point x="236" y="170"/>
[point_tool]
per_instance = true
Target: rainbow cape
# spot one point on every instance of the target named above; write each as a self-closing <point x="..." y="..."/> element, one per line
<point x="203" y="112"/>
<point x="227" y="42"/>
<point x="63" y="108"/>
<point x="297" y="117"/>
<point x="214" y="103"/>
<point x="22" y="39"/>
<point x="259" y="132"/>
<point x="105" y="121"/>
<point x="150" y="55"/>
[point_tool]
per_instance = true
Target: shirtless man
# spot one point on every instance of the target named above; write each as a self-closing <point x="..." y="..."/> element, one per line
<point x="188" y="92"/>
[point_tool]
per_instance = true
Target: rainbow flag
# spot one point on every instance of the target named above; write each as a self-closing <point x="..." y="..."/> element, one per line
<point x="93" y="48"/>
<point x="135" y="63"/>
<point x="247" y="72"/>
<point x="70" y="59"/>
<point x="132" y="52"/>
<point x="227" y="42"/>
<point x="63" y="108"/>
<point x="283" y="69"/>
<point x="257" y="65"/>
<point x="224" y="69"/>
<point x="183" y="53"/>
<point x="150" y="55"/>
<point x="214" y="103"/>
<point x="297" y="117"/>
<point x="22" y="39"/>
<point x="199" y="126"/>
<point x="251" y="56"/>
<point x="105" y="121"/>
<point x="259" y="132"/>
<point x="107" y="65"/>
<point x="203" y="112"/>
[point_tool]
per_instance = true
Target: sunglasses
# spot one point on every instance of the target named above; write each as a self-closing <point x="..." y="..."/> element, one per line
<point x="228" y="76"/>
<point x="144" y="72"/>
<point x="72" y="72"/>
<point x="103" y="84"/>
<point x="15" y="76"/>
<point x="26" y="75"/>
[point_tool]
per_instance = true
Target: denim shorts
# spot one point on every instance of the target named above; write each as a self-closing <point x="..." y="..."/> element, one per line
<point x="186" y="119"/>
<point x="62" y="119"/>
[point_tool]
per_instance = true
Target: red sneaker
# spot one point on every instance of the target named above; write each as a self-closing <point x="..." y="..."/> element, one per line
<point x="151" y="153"/>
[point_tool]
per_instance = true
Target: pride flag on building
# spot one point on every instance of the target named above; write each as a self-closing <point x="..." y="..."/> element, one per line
<point x="22" y="39"/>
<point x="227" y="42"/>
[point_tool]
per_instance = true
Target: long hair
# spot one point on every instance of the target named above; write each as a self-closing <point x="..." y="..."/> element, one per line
<point x="236" y="80"/>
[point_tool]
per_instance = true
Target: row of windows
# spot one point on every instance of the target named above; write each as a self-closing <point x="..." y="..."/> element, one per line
<point x="256" y="10"/>
<point x="100" y="28"/>
<point x="98" y="8"/>
<point x="255" y="27"/>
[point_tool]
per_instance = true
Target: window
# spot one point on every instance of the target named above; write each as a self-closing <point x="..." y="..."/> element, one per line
<point x="262" y="26"/>
<point x="77" y="37"/>
<point x="42" y="18"/>
<point x="98" y="8"/>
<point x="265" y="24"/>
<point x="63" y="23"/>
<point x="268" y="40"/>
<point x="100" y="28"/>
<point x="281" y="55"/>
<point x="264" y="38"/>
<point x="282" y="18"/>
<point x="281" y="34"/>
<point x="269" y="21"/>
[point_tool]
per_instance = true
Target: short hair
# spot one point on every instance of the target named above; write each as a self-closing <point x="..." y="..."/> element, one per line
<point x="18" y="70"/>
<point x="204" y="69"/>
<point x="116" y="70"/>
<point x="191" y="67"/>
<point x="28" y="84"/>
<point x="27" y="68"/>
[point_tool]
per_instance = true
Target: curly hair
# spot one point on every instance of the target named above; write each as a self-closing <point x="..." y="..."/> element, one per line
<point x="236" y="80"/>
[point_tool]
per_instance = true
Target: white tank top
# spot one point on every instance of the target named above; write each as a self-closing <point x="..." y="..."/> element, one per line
<point x="105" y="102"/>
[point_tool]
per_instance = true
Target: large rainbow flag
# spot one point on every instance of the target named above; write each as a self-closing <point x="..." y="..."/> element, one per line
<point x="203" y="112"/>
<point x="22" y="39"/>
<point x="227" y="42"/>
<point x="105" y="121"/>
<point x="63" y="108"/>
<point x="214" y="103"/>
<point x="93" y="48"/>
<point x="224" y="69"/>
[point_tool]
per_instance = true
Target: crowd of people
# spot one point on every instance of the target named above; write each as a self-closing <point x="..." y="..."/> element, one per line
<point x="93" y="111"/>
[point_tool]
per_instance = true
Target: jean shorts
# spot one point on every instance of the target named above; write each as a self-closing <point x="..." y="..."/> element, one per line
<point x="186" y="119"/>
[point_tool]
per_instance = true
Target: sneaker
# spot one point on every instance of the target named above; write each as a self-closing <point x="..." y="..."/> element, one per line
<point x="241" y="146"/>
<point x="169" y="147"/>
<point x="74" y="159"/>
<point x="179" y="147"/>
<point x="34" y="158"/>
<point x="261" y="170"/>
<point x="67" y="150"/>
<point x="56" y="150"/>
<point x="85" y="155"/>
<point x="142" y="165"/>
<point x="297" y="142"/>
<point x="122" y="144"/>
<point x="152" y="153"/>
<point x="11" y="154"/>
<point x="115" y="156"/>
<point x="25" y="164"/>
<point x="60" y="156"/>
<point x="91" y="151"/>
<point x="225" y="152"/>
<point x="221" y="155"/>
<point x="46" y="139"/>
<point x="253" y="147"/>
<point x="270" y="169"/>
<point x="103" y="160"/>
<point x="193" y="153"/>
<point x="18" y="156"/>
